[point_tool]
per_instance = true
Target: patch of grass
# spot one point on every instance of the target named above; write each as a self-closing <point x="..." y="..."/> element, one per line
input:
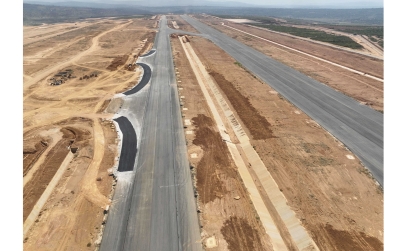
<point x="238" y="64"/>
<point x="315" y="35"/>
<point x="359" y="30"/>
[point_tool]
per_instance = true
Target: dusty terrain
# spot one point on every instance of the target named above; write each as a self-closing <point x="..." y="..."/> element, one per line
<point x="332" y="194"/>
<point x="183" y="25"/>
<point x="69" y="116"/>
<point x="229" y="220"/>
<point x="366" y="90"/>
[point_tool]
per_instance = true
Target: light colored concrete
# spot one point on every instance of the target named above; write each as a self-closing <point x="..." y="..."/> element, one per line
<point x="211" y="242"/>
<point x="262" y="211"/>
<point x="46" y="194"/>
<point x="299" y="235"/>
<point x="176" y="26"/>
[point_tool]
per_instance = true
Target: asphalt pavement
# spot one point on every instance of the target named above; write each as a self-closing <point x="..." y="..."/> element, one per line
<point x="129" y="145"/>
<point x="357" y="126"/>
<point x="149" y="53"/>
<point x="145" y="78"/>
<point x="154" y="206"/>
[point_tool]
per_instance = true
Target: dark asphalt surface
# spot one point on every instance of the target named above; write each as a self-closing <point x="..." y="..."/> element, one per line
<point x="143" y="82"/>
<point x="357" y="126"/>
<point x="129" y="145"/>
<point x="150" y="52"/>
<point x="154" y="206"/>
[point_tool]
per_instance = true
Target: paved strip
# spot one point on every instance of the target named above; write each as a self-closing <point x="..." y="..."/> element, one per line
<point x="307" y="54"/>
<point x="158" y="210"/>
<point x="143" y="82"/>
<point x="357" y="126"/>
<point x="149" y="53"/>
<point x="129" y="145"/>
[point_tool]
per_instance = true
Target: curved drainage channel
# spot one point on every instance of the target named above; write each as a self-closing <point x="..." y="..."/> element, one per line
<point x="148" y="53"/>
<point x="145" y="79"/>
<point x="129" y="145"/>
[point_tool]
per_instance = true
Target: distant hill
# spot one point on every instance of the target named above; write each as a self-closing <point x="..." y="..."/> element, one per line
<point x="37" y="14"/>
<point x="34" y="13"/>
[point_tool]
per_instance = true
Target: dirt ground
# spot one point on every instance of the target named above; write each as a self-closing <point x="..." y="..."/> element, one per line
<point x="365" y="90"/>
<point x="71" y="115"/>
<point x="333" y="195"/>
<point x="183" y="25"/>
<point x="229" y="220"/>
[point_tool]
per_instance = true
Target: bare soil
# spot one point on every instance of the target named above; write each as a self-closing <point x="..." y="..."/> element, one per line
<point x="72" y="217"/>
<point x="255" y="123"/>
<point x="239" y="234"/>
<point x="117" y="62"/>
<point x="335" y="197"/>
<point x="183" y="25"/>
<point x="35" y="187"/>
<point x="215" y="155"/>
<point x="365" y="90"/>
<point x="216" y="178"/>
<point x="31" y="154"/>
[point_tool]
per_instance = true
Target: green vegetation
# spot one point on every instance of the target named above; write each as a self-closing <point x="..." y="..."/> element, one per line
<point x="314" y="35"/>
<point x="369" y="31"/>
<point x="238" y="64"/>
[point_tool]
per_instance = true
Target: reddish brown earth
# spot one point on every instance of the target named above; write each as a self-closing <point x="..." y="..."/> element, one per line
<point x="215" y="176"/>
<point x="335" y="197"/>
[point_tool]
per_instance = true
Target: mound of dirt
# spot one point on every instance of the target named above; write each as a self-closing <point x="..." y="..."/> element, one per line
<point x="258" y="125"/>
<point x="215" y="162"/>
<point x="240" y="235"/>
<point x="118" y="61"/>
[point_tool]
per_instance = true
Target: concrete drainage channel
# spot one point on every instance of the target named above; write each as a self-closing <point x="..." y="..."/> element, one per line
<point x="299" y="236"/>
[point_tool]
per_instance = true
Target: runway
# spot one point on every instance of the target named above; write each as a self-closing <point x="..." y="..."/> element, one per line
<point x="357" y="126"/>
<point x="154" y="205"/>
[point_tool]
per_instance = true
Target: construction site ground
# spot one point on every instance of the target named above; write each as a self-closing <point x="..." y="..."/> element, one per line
<point x="332" y="194"/>
<point x="366" y="90"/>
<point x="73" y="117"/>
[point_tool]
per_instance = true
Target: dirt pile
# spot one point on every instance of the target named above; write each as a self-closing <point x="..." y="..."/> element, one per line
<point x="240" y="235"/>
<point x="215" y="164"/>
<point x="149" y="42"/>
<point x="31" y="154"/>
<point x="42" y="177"/>
<point x="343" y="240"/>
<point x="118" y="61"/>
<point x="257" y="124"/>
